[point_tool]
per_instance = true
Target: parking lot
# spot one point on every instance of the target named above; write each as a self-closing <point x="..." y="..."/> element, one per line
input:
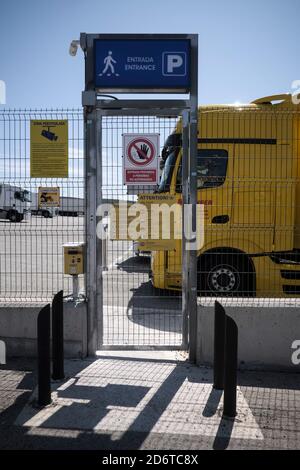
<point x="134" y="313"/>
<point x="31" y="257"/>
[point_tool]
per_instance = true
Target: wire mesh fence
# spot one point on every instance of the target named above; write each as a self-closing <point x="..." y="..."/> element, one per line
<point x="248" y="184"/>
<point x="248" y="181"/>
<point x="31" y="240"/>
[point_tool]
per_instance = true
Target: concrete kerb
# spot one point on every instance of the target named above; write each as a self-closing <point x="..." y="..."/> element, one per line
<point x="266" y="332"/>
<point x="18" y="328"/>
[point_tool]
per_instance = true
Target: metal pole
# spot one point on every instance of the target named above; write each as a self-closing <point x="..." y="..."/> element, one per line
<point x="58" y="337"/>
<point x="104" y="248"/>
<point x="184" y="252"/>
<point x="99" y="241"/>
<point x="230" y="373"/>
<point x="219" y="346"/>
<point x="43" y="343"/>
<point x="90" y="219"/>
<point x="192" y="299"/>
<point x="75" y="280"/>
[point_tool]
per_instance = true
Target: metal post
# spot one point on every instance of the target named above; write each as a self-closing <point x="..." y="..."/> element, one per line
<point x="43" y="343"/>
<point x="219" y="346"/>
<point x="75" y="281"/>
<point x="192" y="299"/>
<point x="58" y="336"/>
<point x="90" y="222"/>
<point x="99" y="241"/>
<point x="230" y="373"/>
<point x="104" y="249"/>
<point x="2" y="352"/>
<point x="184" y="252"/>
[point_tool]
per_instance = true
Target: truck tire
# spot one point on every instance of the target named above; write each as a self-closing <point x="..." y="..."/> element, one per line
<point x="12" y="215"/>
<point x="45" y="214"/>
<point x="225" y="275"/>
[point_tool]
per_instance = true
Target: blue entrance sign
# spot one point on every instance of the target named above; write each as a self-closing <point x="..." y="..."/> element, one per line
<point x="145" y="64"/>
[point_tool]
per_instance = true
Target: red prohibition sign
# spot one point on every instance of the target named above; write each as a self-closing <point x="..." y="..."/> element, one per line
<point x="141" y="151"/>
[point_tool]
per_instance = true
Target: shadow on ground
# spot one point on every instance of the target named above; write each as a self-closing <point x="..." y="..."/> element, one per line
<point x="135" y="264"/>
<point x="86" y="405"/>
<point x="127" y="402"/>
<point x="156" y="309"/>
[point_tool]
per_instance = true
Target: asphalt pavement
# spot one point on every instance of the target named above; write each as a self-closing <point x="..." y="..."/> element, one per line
<point x="134" y="313"/>
<point x="136" y="400"/>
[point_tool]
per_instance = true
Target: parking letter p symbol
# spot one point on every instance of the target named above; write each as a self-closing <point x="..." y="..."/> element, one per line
<point x="173" y="62"/>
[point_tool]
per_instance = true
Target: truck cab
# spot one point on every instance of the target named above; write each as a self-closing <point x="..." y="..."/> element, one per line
<point x="249" y="184"/>
<point x="14" y="202"/>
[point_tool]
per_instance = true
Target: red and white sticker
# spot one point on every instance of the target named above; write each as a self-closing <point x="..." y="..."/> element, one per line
<point x="140" y="163"/>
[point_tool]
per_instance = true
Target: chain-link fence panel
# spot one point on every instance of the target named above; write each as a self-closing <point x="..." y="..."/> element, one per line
<point x="32" y="238"/>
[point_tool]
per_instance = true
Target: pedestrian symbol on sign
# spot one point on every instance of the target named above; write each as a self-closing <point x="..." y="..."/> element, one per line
<point x="109" y="68"/>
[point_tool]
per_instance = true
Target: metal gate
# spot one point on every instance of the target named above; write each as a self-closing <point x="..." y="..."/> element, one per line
<point x="131" y="313"/>
<point x="123" y="308"/>
<point x="134" y="313"/>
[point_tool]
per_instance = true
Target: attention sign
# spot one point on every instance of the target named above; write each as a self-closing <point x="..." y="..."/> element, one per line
<point x="140" y="162"/>
<point x="143" y="64"/>
<point x="48" y="197"/>
<point x="49" y="149"/>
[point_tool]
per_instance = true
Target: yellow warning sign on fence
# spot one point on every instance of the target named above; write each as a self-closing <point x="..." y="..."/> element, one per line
<point x="49" y="149"/>
<point x="48" y="197"/>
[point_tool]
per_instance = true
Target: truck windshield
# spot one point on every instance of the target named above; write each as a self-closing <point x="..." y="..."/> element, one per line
<point x="211" y="169"/>
<point x="166" y="177"/>
<point x="23" y="196"/>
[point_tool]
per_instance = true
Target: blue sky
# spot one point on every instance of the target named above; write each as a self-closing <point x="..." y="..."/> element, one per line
<point x="248" y="49"/>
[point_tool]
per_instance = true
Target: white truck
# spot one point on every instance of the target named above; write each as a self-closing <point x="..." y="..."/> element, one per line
<point x="14" y="202"/>
<point x="71" y="206"/>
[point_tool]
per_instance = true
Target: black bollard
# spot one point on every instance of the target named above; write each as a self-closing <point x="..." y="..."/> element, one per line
<point x="43" y="333"/>
<point x="231" y="362"/>
<point x="219" y="346"/>
<point x="58" y="337"/>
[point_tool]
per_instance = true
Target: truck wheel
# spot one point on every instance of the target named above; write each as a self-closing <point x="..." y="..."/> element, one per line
<point x="20" y="217"/>
<point x="45" y="214"/>
<point x="225" y="275"/>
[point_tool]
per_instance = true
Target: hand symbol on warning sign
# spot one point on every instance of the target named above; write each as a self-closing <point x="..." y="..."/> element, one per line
<point x="140" y="151"/>
<point x="143" y="151"/>
<point x="140" y="163"/>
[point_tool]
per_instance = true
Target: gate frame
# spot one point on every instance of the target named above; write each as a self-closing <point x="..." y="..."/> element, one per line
<point x="94" y="109"/>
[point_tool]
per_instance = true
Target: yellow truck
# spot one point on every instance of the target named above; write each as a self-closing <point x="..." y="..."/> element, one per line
<point x="248" y="180"/>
